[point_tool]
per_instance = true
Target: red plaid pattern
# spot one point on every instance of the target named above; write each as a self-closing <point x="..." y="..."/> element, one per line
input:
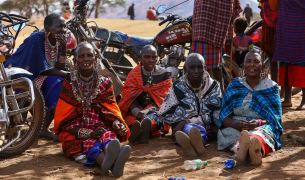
<point x="211" y="54"/>
<point x="94" y="123"/>
<point x="211" y="20"/>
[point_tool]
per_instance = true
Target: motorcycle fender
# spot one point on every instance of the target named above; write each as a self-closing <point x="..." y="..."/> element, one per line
<point x="15" y="70"/>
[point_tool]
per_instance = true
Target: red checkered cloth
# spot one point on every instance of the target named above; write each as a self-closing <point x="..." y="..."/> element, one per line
<point x="211" y="54"/>
<point x="69" y="112"/>
<point x="211" y="20"/>
<point x="133" y="87"/>
<point x="94" y="123"/>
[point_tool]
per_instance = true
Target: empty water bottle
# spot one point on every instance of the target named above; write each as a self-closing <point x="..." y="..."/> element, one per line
<point x="194" y="164"/>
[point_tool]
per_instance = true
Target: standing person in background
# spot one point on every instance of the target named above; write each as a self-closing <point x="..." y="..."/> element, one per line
<point x="150" y="14"/>
<point x="211" y="25"/>
<point x="131" y="12"/>
<point x="155" y="13"/>
<point x="269" y="17"/>
<point x="66" y="12"/>
<point x="248" y="13"/>
<point x="290" y="47"/>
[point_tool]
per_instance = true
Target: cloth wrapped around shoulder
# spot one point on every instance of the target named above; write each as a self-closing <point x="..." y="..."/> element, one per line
<point x="69" y="110"/>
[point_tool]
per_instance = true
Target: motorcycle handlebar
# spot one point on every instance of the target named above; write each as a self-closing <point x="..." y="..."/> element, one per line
<point x="164" y="21"/>
<point x="83" y="3"/>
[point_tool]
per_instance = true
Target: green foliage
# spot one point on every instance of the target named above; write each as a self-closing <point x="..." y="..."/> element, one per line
<point x="45" y="7"/>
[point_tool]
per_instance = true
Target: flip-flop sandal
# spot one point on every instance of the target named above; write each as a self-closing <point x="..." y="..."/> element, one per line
<point x="196" y="141"/>
<point x="135" y="131"/>
<point x="255" y="152"/>
<point x="146" y="126"/>
<point x="244" y="144"/>
<point x="118" y="168"/>
<point x="111" y="154"/>
<point x="184" y="141"/>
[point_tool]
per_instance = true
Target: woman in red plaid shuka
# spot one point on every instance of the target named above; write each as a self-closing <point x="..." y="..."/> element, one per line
<point x="88" y="120"/>
<point x="211" y="26"/>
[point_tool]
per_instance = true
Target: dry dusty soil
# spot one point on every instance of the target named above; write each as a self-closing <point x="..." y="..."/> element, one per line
<point x="160" y="159"/>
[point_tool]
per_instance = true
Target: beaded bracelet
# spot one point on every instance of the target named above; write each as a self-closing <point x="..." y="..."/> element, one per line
<point x="62" y="59"/>
<point x="260" y="122"/>
<point x="84" y="133"/>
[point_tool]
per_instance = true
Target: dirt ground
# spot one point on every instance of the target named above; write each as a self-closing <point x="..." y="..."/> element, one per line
<point x="161" y="159"/>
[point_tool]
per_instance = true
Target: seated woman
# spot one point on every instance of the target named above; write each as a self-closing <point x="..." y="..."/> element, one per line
<point x="88" y="119"/>
<point x="251" y="114"/>
<point x="44" y="55"/>
<point x="145" y="88"/>
<point x="192" y="106"/>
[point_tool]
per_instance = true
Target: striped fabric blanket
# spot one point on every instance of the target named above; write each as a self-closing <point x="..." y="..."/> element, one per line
<point x="290" y="33"/>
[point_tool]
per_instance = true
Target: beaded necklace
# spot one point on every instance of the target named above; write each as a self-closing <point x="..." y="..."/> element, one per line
<point x="85" y="91"/>
<point x="51" y="52"/>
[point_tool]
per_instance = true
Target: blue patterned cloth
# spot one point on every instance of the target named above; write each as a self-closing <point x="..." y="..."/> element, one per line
<point x="93" y="152"/>
<point x="31" y="54"/>
<point x="266" y="103"/>
<point x="187" y="127"/>
<point x="51" y="88"/>
<point x="181" y="103"/>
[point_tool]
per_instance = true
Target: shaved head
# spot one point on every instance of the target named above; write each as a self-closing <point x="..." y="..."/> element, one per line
<point x="194" y="57"/>
<point x="148" y="48"/>
<point x="253" y="53"/>
<point x="82" y="44"/>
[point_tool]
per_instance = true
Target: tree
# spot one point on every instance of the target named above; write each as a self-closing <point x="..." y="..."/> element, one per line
<point x="101" y="5"/>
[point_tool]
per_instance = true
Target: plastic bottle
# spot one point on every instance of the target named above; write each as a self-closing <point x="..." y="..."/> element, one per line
<point x="229" y="163"/>
<point x="194" y="164"/>
<point x="176" y="178"/>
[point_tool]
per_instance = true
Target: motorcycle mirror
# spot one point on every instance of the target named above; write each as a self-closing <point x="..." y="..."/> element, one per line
<point x="161" y="9"/>
<point x="16" y="27"/>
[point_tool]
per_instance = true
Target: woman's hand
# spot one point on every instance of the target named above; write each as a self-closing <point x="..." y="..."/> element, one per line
<point x="97" y="134"/>
<point x="246" y="125"/>
<point x="179" y="127"/>
<point x="119" y="128"/>
<point x="61" y="38"/>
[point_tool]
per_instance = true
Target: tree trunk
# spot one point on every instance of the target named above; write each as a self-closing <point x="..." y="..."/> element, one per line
<point x="97" y="8"/>
<point x="46" y="7"/>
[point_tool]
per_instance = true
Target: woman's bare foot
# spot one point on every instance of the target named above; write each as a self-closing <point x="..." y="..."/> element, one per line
<point x="286" y="104"/>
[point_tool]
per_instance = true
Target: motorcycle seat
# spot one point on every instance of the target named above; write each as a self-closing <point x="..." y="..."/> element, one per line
<point x="135" y="40"/>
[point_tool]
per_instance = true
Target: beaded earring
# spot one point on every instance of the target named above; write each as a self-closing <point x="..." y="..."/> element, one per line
<point x="263" y="74"/>
<point x="241" y="71"/>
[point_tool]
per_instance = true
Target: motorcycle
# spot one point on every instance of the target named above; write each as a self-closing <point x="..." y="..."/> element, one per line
<point x="172" y="44"/>
<point x="83" y="32"/>
<point x="21" y="102"/>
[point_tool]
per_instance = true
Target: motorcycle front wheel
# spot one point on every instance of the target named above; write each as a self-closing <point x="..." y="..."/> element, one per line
<point x="33" y="121"/>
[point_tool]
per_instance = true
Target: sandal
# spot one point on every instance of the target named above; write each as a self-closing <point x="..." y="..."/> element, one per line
<point x="118" y="168"/>
<point x="244" y="144"/>
<point x="135" y="131"/>
<point x="196" y="141"/>
<point x="255" y="152"/>
<point x="146" y="126"/>
<point x="184" y="141"/>
<point x="111" y="154"/>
